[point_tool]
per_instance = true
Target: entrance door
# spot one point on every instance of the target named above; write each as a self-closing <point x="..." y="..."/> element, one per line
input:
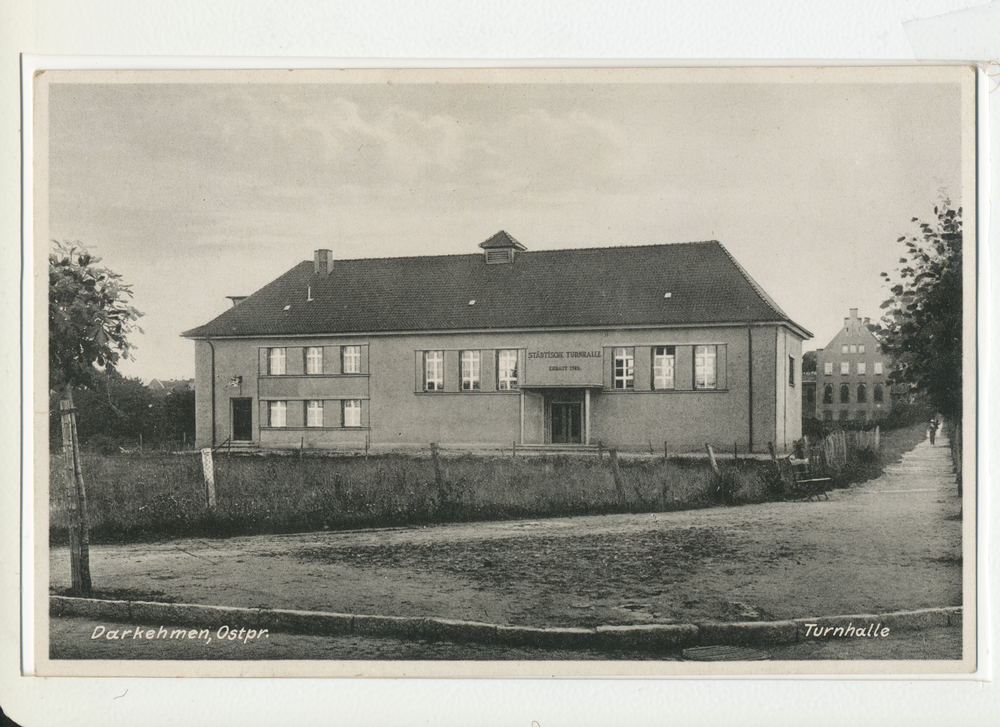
<point x="566" y="423"/>
<point x="242" y="420"/>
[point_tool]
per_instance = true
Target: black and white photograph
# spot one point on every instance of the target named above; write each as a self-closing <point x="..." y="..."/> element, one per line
<point x="478" y="372"/>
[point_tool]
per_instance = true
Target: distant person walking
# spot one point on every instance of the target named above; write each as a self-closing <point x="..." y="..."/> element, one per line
<point x="933" y="428"/>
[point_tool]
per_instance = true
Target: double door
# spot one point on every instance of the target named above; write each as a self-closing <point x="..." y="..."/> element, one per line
<point x="567" y="423"/>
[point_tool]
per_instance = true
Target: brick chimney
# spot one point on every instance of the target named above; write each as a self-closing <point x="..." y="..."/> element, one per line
<point x="323" y="262"/>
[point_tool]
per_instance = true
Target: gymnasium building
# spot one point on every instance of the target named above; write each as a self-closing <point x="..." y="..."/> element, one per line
<point x="627" y="346"/>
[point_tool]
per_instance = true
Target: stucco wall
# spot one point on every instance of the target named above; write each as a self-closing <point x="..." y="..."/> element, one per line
<point x="398" y="412"/>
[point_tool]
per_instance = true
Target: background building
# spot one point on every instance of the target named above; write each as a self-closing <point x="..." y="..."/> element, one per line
<point x="629" y="346"/>
<point x="852" y="375"/>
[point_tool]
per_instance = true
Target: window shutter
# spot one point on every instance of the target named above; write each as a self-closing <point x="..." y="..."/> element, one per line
<point x="295" y="413"/>
<point x="684" y="368"/>
<point x="265" y="418"/>
<point x="451" y="371"/>
<point x="262" y="368"/>
<point x="295" y="363"/>
<point x="721" y="367"/>
<point x="643" y="368"/>
<point x="488" y="370"/>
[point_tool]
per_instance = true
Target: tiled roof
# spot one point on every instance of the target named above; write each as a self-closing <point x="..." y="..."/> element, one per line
<point x="596" y="287"/>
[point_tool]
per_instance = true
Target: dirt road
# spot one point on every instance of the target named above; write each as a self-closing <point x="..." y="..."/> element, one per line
<point x="891" y="544"/>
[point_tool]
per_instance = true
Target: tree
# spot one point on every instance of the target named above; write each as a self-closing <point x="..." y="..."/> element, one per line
<point x="809" y="362"/>
<point x="922" y="326"/>
<point x="89" y="324"/>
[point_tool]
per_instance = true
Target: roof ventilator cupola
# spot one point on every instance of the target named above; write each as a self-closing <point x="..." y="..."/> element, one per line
<point x="500" y="248"/>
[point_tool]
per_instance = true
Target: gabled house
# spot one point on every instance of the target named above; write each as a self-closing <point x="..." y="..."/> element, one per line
<point x="852" y="375"/>
<point x="628" y="346"/>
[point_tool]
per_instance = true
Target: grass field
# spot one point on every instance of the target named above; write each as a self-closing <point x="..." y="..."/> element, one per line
<point x="140" y="497"/>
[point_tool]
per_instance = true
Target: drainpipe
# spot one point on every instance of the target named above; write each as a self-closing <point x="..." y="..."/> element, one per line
<point x="750" y="387"/>
<point x="212" y="346"/>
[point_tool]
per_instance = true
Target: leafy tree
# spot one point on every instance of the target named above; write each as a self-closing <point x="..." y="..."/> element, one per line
<point x="89" y="324"/>
<point x="809" y="362"/>
<point x="922" y="326"/>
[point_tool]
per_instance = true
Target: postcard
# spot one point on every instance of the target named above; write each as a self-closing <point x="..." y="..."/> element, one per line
<point x="505" y="372"/>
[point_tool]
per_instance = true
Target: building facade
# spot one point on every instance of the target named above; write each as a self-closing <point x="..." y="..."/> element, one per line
<point x="627" y="346"/>
<point x="852" y="375"/>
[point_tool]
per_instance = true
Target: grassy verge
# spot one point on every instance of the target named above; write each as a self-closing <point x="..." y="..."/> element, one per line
<point x="134" y="498"/>
<point x="152" y="496"/>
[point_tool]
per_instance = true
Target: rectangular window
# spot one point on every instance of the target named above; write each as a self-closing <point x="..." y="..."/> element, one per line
<point x="878" y="367"/>
<point x="624" y="368"/>
<point x="433" y="370"/>
<point x="469" y="370"/>
<point x="791" y="371"/>
<point x="663" y="367"/>
<point x="352" y="413"/>
<point x="843" y="348"/>
<point x="276" y="411"/>
<point x="314" y="414"/>
<point x="861" y="367"/>
<point x="276" y="361"/>
<point x="507" y="369"/>
<point x="861" y="348"/>
<point x="854" y="348"/>
<point x="352" y="359"/>
<point x="314" y="360"/>
<point x="845" y="368"/>
<point x="704" y="367"/>
<point x="827" y="416"/>
<point x="844" y="415"/>
<point x="828" y="368"/>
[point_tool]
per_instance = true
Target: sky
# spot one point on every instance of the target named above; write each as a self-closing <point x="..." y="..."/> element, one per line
<point x="196" y="191"/>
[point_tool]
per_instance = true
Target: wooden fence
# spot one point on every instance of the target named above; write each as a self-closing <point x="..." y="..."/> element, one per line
<point x="836" y="449"/>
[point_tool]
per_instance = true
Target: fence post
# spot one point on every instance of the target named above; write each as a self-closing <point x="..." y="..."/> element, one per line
<point x="208" y="468"/>
<point x="665" y="457"/>
<point x="616" y="473"/>
<point x="438" y="477"/>
<point x="72" y="495"/>
<point x="513" y="450"/>
<point x="711" y="460"/>
<point x="878" y="437"/>
<point x="716" y="470"/>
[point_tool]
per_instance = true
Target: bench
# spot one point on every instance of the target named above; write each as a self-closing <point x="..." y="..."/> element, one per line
<point x="800" y="484"/>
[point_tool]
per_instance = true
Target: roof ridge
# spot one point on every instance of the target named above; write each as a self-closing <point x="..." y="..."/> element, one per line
<point x="526" y="252"/>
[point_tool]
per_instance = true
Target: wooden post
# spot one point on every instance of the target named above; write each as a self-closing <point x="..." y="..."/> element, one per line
<point x="600" y="451"/>
<point x="208" y="468"/>
<point x="712" y="462"/>
<point x="878" y="438"/>
<point x="438" y="477"/>
<point x="665" y="457"/>
<point x="79" y="565"/>
<point x="513" y="450"/>
<point x="736" y="453"/>
<point x="616" y="473"/>
<point x="770" y="448"/>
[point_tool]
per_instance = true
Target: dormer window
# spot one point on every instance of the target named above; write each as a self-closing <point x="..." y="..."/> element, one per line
<point x="500" y="248"/>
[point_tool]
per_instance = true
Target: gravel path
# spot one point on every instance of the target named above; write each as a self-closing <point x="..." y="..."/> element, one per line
<point x="891" y="544"/>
